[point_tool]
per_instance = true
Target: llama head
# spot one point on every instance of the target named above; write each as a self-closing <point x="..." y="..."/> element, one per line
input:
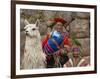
<point x="31" y="30"/>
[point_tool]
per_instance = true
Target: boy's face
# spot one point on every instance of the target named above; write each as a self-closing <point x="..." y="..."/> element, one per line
<point x="59" y="26"/>
<point x="75" y="53"/>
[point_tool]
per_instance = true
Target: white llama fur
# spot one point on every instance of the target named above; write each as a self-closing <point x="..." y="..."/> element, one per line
<point x="33" y="53"/>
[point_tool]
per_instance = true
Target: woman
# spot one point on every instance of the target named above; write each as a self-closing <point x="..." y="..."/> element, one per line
<point x="54" y="43"/>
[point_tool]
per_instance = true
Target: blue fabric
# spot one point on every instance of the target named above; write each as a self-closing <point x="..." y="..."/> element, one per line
<point x="50" y="47"/>
<point x="57" y="37"/>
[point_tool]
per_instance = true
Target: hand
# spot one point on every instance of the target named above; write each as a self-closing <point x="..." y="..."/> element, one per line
<point x="68" y="48"/>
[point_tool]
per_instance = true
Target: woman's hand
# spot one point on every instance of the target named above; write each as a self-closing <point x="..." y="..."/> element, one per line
<point x="67" y="47"/>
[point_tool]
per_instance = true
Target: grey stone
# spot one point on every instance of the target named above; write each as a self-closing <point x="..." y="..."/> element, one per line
<point x="85" y="42"/>
<point x="66" y="15"/>
<point x="83" y="15"/>
<point x="49" y="14"/>
<point x="22" y="43"/>
<point x="79" y="28"/>
<point x="22" y="23"/>
<point x="42" y="28"/>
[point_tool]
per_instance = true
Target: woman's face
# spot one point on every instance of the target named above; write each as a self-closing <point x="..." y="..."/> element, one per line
<point x="59" y="26"/>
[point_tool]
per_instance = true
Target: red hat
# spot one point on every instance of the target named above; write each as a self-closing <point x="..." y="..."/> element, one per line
<point x="51" y="22"/>
<point x="60" y="20"/>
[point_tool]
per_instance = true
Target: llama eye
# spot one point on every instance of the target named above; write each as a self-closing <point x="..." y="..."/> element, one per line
<point x="24" y="29"/>
<point x="33" y="29"/>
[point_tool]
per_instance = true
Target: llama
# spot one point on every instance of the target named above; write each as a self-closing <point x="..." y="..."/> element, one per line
<point x="33" y="54"/>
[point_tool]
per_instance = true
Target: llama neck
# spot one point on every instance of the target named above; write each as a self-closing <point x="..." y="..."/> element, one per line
<point x="33" y="41"/>
<point x="33" y="45"/>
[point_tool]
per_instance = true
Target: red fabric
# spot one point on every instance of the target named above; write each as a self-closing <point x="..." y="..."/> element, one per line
<point x="45" y="40"/>
<point x="60" y="20"/>
<point x="66" y="41"/>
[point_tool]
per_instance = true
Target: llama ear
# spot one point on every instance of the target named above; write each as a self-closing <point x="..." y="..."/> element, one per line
<point x="26" y="22"/>
<point x="37" y="23"/>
